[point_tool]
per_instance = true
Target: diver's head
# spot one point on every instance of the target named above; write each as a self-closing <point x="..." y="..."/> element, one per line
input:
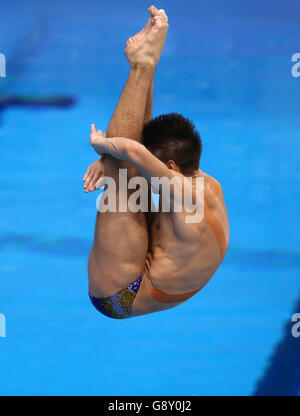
<point x="174" y="140"/>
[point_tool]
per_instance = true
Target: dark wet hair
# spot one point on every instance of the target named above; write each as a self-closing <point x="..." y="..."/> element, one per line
<point x="174" y="137"/>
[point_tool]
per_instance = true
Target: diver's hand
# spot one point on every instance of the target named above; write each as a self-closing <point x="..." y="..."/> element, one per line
<point x="93" y="176"/>
<point x="118" y="147"/>
<point x="99" y="141"/>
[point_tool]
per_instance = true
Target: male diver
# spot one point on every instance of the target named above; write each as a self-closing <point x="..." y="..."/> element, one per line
<point x="142" y="262"/>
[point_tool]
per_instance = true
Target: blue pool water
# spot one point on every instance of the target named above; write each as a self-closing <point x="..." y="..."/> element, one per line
<point x="227" y="65"/>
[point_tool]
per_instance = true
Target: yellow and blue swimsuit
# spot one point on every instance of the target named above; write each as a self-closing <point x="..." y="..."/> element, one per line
<point x="119" y="305"/>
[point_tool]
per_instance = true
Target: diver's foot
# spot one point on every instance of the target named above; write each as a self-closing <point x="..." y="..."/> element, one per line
<point x="146" y="47"/>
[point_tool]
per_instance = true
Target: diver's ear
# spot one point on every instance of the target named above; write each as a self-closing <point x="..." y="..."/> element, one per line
<point x="172" y="165"/>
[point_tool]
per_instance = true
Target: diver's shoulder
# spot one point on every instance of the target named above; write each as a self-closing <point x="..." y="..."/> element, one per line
<point x="211" y="183"/>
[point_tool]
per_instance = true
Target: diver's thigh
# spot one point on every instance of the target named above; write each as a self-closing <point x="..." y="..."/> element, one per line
<point x="121" y="240"/>
<point x="145" y="303"/>
<point x="119" y="252"/>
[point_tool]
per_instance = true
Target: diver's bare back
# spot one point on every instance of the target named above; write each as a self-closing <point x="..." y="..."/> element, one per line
<point x="179" y="265"/>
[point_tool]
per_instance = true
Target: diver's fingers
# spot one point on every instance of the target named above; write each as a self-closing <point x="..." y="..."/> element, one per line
<point x="100" y="182"/>
<point x="88" y="179"/>
<point x="87" y="173"/>
<point x="93" y="134"/>
<point x="95" y="178"/>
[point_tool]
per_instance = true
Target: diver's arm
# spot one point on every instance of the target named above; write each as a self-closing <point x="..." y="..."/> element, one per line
<point x="157" y="173"/>
<point x="130" y="151"/>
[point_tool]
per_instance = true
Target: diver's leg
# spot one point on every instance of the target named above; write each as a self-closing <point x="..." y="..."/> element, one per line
<point x="121" y="238"/>
<point x="149" y="103"/>
<point x="120" y="245"/>
<point x="92" y="176"/>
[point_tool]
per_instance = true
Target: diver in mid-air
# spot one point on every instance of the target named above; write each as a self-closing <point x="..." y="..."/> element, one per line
<point x="142" y="262"/>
